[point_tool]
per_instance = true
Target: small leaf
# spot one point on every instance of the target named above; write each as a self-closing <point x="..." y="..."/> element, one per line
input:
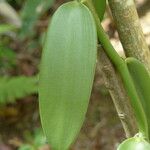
<point x="30" y="13"/>
<point x="100" y="6"/>
<point x="141" y="78"/>
<point x="67" y="73"/>
<point x="17" y="87"/>
<point x="4" y="28"/>
<point x="135" y="143"/>
<point x="26" y="147"/>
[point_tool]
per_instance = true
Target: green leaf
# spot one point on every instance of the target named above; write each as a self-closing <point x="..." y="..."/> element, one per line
<point x="30" y="13"/>
<point x="135" y="143"/>
<point x="100" y="6"/>
<point x="17" y="87"/>
<point x="39" y="138"/>
<point x="67" y="73"/>
<point x="4" y="28"/>
<point x="141" y="78"/>
<point x="26" y="147"/>
<point x="7" y="58"/>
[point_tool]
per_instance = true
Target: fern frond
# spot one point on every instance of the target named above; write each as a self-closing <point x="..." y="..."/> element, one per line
<point x="12" y="88"/>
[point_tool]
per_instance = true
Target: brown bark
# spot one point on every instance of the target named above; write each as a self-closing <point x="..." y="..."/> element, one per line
<point x="121" y="101"/>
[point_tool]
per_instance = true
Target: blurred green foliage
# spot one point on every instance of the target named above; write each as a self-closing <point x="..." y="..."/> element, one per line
<point x="7" y="57"/>
<point x="34" y="142"/>
<point x="12" y="88"/>
<point x="20" y="49"/>
<point x="4" y="28"/>
<point x="30" y="13"/>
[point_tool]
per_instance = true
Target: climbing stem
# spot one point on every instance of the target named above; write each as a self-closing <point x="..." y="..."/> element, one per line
<point x="121" y="67"/>
<point x="127" y="22"/>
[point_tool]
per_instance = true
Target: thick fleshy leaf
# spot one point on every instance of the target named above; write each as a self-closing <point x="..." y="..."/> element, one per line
<point x="100" y="7"/>
<point x="135" y="143"/>
<point x="141" y="78"/>
<point x="67" y="72"/>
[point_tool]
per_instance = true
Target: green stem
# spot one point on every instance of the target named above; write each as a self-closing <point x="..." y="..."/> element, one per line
<point x="121" y="66"/>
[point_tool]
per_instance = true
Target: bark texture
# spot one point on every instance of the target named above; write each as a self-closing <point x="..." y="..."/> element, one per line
<point x="121" y="101"/>
<point x="130" y="32"/>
